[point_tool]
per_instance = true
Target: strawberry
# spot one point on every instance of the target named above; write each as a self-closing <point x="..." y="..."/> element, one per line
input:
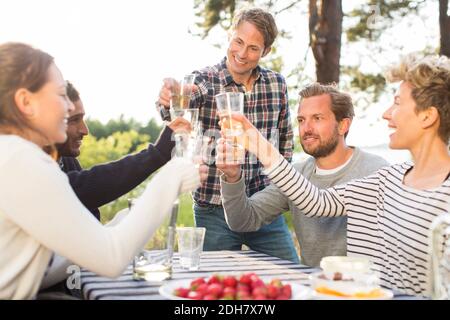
<point x="245" y="279"/>
<point x="202" y="288"/>
<point x="229" y="281"/>
<point x="259" y="291"/>
<point x="195" y="283"/>
<point x="181" y="292"/>
<point x="283" y="297"/>
<point x="215" y="289"/>
<point x="215" y="279"/>
<point x="210" y="297"/>
<point x="229" y="292"/>
<point x="253" y="277"/>
<point x="287" y="290"/>
<point x="243" y="295"/>
<point x="258" y="283"/>
<point x="277" y="283"/>
<point x="242" y="287"/>
<point x="272" y="291"/>
<point x="195" y="295"/>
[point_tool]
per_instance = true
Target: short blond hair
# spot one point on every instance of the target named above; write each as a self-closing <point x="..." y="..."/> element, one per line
<point x="430" y="78"/>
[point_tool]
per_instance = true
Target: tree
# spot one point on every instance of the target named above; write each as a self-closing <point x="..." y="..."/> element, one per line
<point x="444" y="24"/>
<point x="152" y="129"/>
<point x="325" y="26"/>
<point x="364" y="24"/>
<point x="325" y="30"/>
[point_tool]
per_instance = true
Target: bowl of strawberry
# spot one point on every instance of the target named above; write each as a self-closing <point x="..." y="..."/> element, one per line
<point x="247" y="286"/>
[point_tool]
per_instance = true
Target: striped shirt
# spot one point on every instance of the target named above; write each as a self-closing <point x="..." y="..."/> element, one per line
<point x="266" y="106"/>
<point x="387" y="221"/>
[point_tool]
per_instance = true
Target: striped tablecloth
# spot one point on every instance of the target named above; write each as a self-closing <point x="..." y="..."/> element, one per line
<point x="94" y="287"/>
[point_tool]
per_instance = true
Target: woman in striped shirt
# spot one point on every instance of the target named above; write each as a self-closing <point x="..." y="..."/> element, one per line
<point x="389" y="212"/>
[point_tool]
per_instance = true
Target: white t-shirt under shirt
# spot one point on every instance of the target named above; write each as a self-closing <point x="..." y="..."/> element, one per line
<point x="326" y="172"/>
<point x="40" y="214"/>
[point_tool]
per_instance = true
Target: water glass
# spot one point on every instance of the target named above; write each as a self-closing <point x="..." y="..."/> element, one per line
<point x="154" y="262"/>
<point x="190" y="246"/>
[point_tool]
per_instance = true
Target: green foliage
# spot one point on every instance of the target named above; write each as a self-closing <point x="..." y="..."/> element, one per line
<point x="111" y="148"/>
<point x="185" y="214"/>
<point x="275" y="62"/>
<point x="117" y="145"/>
<point x="152" y="129"/>
<point x="370" y="83"/>
<point x="100" y="130"/>
<point x="214" y="12"/>
<point x="108" y="211"/>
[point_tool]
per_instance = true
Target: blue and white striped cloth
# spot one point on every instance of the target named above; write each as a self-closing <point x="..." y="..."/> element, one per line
<point x="94" y="287"/>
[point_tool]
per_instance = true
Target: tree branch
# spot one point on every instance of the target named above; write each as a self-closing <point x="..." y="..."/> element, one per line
<point x="287" y="7"/>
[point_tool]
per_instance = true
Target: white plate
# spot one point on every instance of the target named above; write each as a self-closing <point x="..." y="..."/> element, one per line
<point x="387" y="294"/>
<point x="299" y="292"/>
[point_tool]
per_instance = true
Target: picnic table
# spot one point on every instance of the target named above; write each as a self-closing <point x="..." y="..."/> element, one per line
<point x="94" y="287"/>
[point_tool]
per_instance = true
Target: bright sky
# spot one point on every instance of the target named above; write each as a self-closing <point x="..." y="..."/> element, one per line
<point x="117" y="52"/>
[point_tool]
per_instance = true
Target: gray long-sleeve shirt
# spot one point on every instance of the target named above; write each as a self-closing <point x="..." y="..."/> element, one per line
<point x="318" y="237"/>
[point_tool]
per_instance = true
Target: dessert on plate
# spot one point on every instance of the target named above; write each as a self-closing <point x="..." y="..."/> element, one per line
<point x="347" y="278"/>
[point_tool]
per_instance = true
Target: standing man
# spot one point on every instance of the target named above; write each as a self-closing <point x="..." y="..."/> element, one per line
<point x="324" y="116"/>
<point x="266" y="105"/>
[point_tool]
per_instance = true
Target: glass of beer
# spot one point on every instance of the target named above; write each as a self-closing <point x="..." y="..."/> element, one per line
<point x="230" y="103"/>
<point x="181" y="92"/>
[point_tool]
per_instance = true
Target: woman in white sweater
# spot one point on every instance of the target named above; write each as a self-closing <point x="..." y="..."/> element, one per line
<point x="389" y="212"/>
<point x="40" y="215"/>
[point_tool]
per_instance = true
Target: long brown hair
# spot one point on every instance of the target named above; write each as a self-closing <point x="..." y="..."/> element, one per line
<point x="21" y="66"/>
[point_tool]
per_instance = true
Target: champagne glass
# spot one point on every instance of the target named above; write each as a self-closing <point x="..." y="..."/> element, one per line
<point x="229" y="103"/>
<point x="181" y="92"/>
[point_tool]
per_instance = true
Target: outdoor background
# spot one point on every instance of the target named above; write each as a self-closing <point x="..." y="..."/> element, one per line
<point x="117" y="52"/>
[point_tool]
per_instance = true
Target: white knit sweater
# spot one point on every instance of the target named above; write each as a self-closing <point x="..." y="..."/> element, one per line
<point x="40" y="214"/>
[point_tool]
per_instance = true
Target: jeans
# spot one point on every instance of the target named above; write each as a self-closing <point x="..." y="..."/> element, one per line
<point x="273" y="239"/>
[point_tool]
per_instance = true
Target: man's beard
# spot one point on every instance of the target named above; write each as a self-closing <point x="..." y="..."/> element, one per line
<point x="325" y="148"/>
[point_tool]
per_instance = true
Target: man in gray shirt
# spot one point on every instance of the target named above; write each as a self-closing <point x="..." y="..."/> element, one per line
<point x="324" y="115"/>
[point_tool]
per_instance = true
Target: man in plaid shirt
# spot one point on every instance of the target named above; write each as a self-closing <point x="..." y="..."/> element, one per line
<point x="266" y="105"/>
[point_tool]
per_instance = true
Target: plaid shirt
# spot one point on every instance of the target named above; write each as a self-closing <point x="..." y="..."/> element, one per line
<point x="266" y="106"/>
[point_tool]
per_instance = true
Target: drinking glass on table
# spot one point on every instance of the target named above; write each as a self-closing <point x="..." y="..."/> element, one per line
<point x="154" y="262"/>
<point x="190" y="246"/>
<point x="229" y="103"/>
